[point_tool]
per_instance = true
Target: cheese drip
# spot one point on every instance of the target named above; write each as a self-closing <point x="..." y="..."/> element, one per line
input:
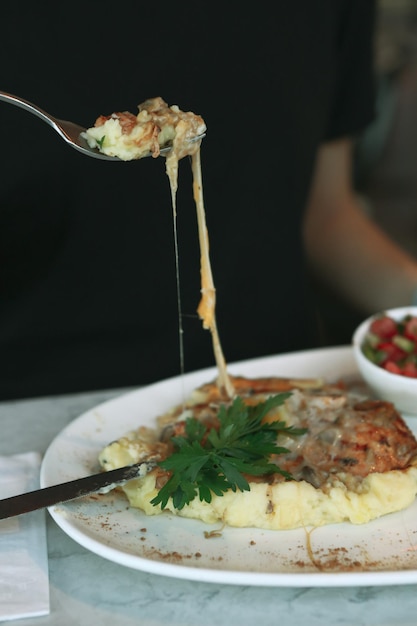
<point x="207" y="306"/>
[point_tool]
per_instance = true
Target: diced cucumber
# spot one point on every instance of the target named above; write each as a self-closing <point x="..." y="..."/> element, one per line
<point x="403" y="343"/>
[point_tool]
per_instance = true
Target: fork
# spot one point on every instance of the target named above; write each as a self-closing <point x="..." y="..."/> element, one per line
<point x="70" y="132"/>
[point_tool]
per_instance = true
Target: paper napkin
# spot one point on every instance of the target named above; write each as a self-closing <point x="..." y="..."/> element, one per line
<point x="24" y="580"/>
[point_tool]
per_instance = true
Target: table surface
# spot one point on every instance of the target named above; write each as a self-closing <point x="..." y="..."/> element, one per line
<point x="87" y="589"/>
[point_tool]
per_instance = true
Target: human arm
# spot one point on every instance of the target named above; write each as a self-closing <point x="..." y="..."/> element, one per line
<point x="346" y="249"/>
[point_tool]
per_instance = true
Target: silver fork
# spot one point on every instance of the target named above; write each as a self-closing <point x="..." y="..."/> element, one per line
<point x="70" y="132"/>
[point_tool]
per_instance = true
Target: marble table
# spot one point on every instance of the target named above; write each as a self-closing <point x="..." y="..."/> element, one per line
<point x="87" y="589"/>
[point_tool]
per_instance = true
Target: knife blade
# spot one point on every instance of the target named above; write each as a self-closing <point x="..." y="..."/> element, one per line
<point x="64" y="492"/>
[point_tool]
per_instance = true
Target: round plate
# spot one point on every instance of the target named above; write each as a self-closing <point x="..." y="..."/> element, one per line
<point x="383" y="552"/>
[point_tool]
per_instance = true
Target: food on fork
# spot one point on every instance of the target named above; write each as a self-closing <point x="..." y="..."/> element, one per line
<point x="281" y="454"/>
<point x="156" y="126"/>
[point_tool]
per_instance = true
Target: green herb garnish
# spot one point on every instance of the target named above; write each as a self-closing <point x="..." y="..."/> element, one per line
<point x="215" y="461"/>
<point x="100" y="142"/>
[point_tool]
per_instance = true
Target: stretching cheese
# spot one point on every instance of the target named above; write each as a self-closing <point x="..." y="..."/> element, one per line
<point x="156" y="126"/>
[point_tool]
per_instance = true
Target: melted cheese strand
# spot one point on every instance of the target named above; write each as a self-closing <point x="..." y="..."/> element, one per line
<point x="172" y="172"/>
<point x="207" y="306"/>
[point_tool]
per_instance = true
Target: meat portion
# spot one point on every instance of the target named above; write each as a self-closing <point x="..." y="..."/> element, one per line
<point x="366" y="437"/>
<point x="346" y="439"/>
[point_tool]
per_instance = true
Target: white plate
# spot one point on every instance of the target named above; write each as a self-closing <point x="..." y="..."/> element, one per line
<point x="383" y="552"/>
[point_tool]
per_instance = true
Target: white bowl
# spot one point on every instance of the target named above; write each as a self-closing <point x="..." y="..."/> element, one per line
<point x="400" y="390"/>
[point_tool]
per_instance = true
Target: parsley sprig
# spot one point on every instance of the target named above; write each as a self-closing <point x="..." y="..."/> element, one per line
<point x="210" y="462"/>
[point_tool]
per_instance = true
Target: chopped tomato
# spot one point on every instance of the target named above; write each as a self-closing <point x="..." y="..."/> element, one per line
<point x="384" y="327"/>
<point x="392" y="367"/>
<point x="391" y="352"/>
<point x="409" y="369"/>
<point x="410" y="328"/>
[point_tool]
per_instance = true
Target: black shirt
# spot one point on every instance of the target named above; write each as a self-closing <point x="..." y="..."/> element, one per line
<point x="88" y="295"/>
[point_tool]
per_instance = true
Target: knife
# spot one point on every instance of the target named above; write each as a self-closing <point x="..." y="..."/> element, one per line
<point x="96" y="483"/>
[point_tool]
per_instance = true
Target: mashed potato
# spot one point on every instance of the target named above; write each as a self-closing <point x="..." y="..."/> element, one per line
<point x="291" y="504"/>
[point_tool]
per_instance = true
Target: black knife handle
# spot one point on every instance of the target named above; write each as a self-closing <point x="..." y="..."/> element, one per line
<point x="41" y="498"/>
